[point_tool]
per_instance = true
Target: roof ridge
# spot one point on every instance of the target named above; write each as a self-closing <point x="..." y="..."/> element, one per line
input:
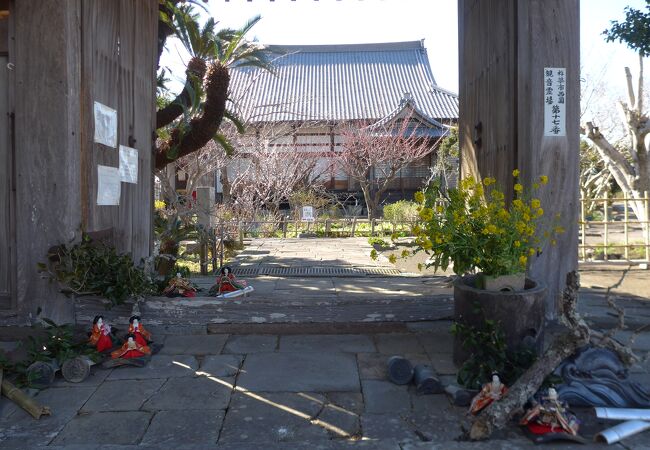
<point x="443" y="90"/>
<point x="340" y="48"/>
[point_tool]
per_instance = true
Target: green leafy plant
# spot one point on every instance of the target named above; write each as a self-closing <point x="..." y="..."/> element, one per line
<point x="475" y="229"/>
<point x="401" y="211"/>
<point x="48" y="342"/>
<point x="378" y="242"/>
<point x="94" y="268"/>
<point x="489" y="354"/>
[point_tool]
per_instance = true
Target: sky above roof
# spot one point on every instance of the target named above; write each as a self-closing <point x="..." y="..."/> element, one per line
<point x="302" y="22"/>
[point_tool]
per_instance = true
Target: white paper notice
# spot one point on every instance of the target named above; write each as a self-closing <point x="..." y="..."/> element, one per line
<point x="128" y="164"/>
<point x="108" y="185"/>
<point x="105" y="125"/>
<point x="554" y="101"/>
<point x="308" y="213"/>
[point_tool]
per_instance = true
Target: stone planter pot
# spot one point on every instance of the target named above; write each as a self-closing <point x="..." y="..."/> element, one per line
<point x="521" y="314"/>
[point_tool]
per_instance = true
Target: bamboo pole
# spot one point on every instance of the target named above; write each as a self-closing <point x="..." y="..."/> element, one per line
<point x="606" y="230"/>
<point x="583" y="226"/>
<point x="646" y="201"/>
<point x="625" y="230"/>
<point x="23" y="400"/>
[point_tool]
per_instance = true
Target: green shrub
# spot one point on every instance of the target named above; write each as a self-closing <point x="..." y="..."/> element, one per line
<point x="96" y="268"/>
<point x="401" y="211"/>
<point x="378" y="241"/>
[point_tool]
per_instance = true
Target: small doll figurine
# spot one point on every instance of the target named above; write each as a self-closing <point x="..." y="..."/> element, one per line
<point x="131" y="349"/>
<point x="228" y="286"/>
<point x="142" y="336"/>
<point x="489" y="392"/>
<point x="550" y="416"/>
<point x="179" y="287"/>
<point x="100" y="336"/>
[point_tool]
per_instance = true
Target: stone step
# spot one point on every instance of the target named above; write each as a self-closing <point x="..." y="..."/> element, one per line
<point x="201" y="311"/>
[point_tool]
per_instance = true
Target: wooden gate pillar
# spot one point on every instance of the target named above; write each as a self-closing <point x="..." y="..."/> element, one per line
<point x="505" y="47"/>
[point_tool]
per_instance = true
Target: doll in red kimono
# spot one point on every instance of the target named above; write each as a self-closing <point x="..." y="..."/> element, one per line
<point x="142" y="336"/>
<point x="100" y="336"/>
<point x="229" y="286"/>
<point x="489" y="393"/>
<point x="131" y="349"/>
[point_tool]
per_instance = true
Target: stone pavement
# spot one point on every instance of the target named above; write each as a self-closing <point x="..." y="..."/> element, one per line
<point x="309" y="252"/>
<point x="264" y="392"/>
<point x="286" y="390"/>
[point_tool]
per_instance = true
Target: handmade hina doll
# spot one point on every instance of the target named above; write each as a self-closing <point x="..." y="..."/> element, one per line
<point x="100" y="335"/>
<point x="229" y="286"/>
<point x="550" y="415"/>
<point x="131" y="349"/>
<point x="142" y="336"/>
<point x="179" y="287"/>
<point x="489" y="392"/>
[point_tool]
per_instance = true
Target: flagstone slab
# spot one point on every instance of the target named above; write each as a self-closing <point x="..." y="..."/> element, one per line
<point x="339" y="422"/>
<point x="221" y="365"/>
<point x="398" y="344"/>
<point x="171" y="429"/>
<point x="122" y="395"/>
<point x="160" y="366"/>
<point x="347" y="343"/>
<point x="377" y="427"/>
<point x="295" y="372"/>
<point x="384" y="397"/>
<point x="211" y="344"/>
<point x="20" y="430"/>
<point x="196" y="393"/>
<point x="250" y="343"/>
<point x="125" y="427"/>
<point x="272" y="417"/>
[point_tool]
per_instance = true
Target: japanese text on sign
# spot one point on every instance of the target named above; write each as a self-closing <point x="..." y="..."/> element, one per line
<point x="554" y="101"/>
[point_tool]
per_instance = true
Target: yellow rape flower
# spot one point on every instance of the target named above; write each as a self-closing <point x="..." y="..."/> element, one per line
<point x="426" y="214"/>
<point x="439" y="209"/>
<point x="540" y="212"/>
<point x="535" y="185"/>
<point x="543" y="179"/>
<point x="488" y="181"/>
<point x="515" y="173"/>
<point x="392" y="259"/>
<point x="531" y="251"/>
<point x="523" y="260"/>
<point x="517" y="244"/>
<point x="416" y="229"/>
<point x="535" y="203"/>
<point x="419" y="197"/>
<point x="526" y="217"/>
<point x="159" y="204"/>
<point x="519" y="187"/>
<point x="518" y="203"/>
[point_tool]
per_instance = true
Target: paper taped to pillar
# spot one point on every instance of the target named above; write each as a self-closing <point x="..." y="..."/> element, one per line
<point x="554" y="101"/>
<point x="128" y="164"/>
<point x="105" y="125"/>
<point x="108" y="186"/>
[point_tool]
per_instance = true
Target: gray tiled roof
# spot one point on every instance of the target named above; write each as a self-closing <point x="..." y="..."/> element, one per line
<point x="341" y="82"/>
